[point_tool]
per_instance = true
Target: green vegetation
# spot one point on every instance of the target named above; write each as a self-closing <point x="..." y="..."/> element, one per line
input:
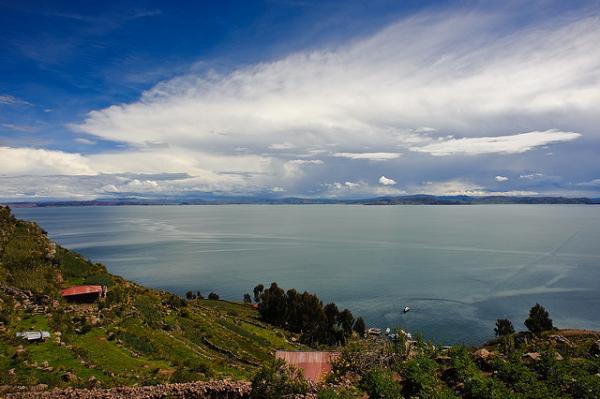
<point x="276" y="380"/>
<point x="304" y="313"/>
<point x="134" y="336"/>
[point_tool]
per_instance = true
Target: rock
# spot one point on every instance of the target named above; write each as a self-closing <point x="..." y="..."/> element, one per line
<point x="92" y="381"/>
<point x="68" y="377"/>
<point x="562" y="340"/>
<point x="483" y="354"/>
<point x="532" y="356"/>
<point x="19" y="352"/>
<point x="595" y="348"/>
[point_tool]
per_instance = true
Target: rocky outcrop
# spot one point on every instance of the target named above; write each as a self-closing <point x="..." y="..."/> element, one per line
<point x="197" y="390"/>
<point x="595" y="348"/>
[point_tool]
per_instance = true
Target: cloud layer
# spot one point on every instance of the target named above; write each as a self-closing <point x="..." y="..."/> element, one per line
<point x="433" y="97"/>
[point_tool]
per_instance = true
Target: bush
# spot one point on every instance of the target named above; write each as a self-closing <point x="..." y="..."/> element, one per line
<point x="330" y="393"/>
<point x="539" y="320"/>
<point x="140" y="344"/>
<point x="99" y="279"/>
<point x="379" y="384"/>
<point x="278" y="380"/>
<point x="421" y="380"/>
<point x="213" y="296"/>
<point x="174" y="301"/>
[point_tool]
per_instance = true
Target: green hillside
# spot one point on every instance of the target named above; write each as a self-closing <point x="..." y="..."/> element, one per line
<point x="135" y="336"/>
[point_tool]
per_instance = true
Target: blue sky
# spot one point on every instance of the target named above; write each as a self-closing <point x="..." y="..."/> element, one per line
<point x="298" y="98"/>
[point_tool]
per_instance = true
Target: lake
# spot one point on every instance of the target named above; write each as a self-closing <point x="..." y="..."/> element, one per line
<point x="458" y="267"/>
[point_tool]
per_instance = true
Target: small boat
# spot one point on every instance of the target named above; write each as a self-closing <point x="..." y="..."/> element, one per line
<point x="406" y="309"/>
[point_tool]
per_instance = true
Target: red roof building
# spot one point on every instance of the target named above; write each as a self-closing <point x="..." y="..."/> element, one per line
<point x="315" y="365"/>
<point x="83" y="292"/>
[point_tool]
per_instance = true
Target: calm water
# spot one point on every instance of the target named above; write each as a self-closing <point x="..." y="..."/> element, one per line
<point x="458" y="267"/>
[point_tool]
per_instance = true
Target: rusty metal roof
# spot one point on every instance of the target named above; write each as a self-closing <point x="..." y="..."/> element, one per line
<point x="82" y="290"/>
<point x="314" y="364"/>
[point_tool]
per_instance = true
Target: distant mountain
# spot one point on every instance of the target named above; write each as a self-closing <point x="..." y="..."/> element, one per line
<point x="420" y="199"/>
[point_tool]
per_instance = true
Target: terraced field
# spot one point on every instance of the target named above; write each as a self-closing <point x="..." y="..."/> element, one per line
<point x="135" y="336"/>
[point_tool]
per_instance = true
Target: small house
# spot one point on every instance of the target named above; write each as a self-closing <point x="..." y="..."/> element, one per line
<point x="84" y="293"/>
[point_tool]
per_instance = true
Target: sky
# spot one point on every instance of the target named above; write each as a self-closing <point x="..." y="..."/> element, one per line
<point x="295" y="98"/>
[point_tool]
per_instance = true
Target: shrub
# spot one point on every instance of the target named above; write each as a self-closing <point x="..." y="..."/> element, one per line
<point x="330" y="393"/>
<point x="278" y="380"/>
<point x="174" y="301"/>
<point x="138" y="343"/>
<point x="99" y="279"/>
<point x="421" y="380"/>
<point x="213" y="296"/>
<point x="379" y="384"/>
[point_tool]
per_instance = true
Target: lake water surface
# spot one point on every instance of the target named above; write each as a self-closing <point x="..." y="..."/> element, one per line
<point x="458" y="267"/>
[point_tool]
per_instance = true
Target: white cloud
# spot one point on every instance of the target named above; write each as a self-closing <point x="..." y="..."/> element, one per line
<point x="453" y="69"/>
<point x="7" y="99"/>
<point x="461" y="187"/>
<point x="19" y="128"/>
<point x="531" y="176"/>
<point x="82" y="140"/>
<point x="29" y="161"/>
<point x="306" y="162"/>
<point x="280" y="146"/>
<point x="501" y="178"/>
<point x="513" y="144"/>
<point x="386" y="181"/>
<point x="278" y="189"/>
<point x="591" y="183"/>
<point x="371" y="156"/>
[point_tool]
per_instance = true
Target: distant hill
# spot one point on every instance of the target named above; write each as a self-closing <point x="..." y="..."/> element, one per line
<point x="387" y="200"/>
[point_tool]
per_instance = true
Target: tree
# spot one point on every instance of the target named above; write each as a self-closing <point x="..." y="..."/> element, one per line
<point x="538" y="320"/>
<point x="199" y="295"/>
<point x="257" y="291"/>
<point x="189" y="295"/>
<point x="213" y="296"/>
<point x="346" y="321"/>
<point x="247" y="298"/>
<point x="503" y="327"/>
<point x="359" y="327"/>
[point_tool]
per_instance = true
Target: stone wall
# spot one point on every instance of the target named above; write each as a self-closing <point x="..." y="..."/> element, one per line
<point x="197" y="390"/>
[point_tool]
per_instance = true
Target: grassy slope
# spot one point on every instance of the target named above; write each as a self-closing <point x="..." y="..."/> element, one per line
<point x="137" y="336"/>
